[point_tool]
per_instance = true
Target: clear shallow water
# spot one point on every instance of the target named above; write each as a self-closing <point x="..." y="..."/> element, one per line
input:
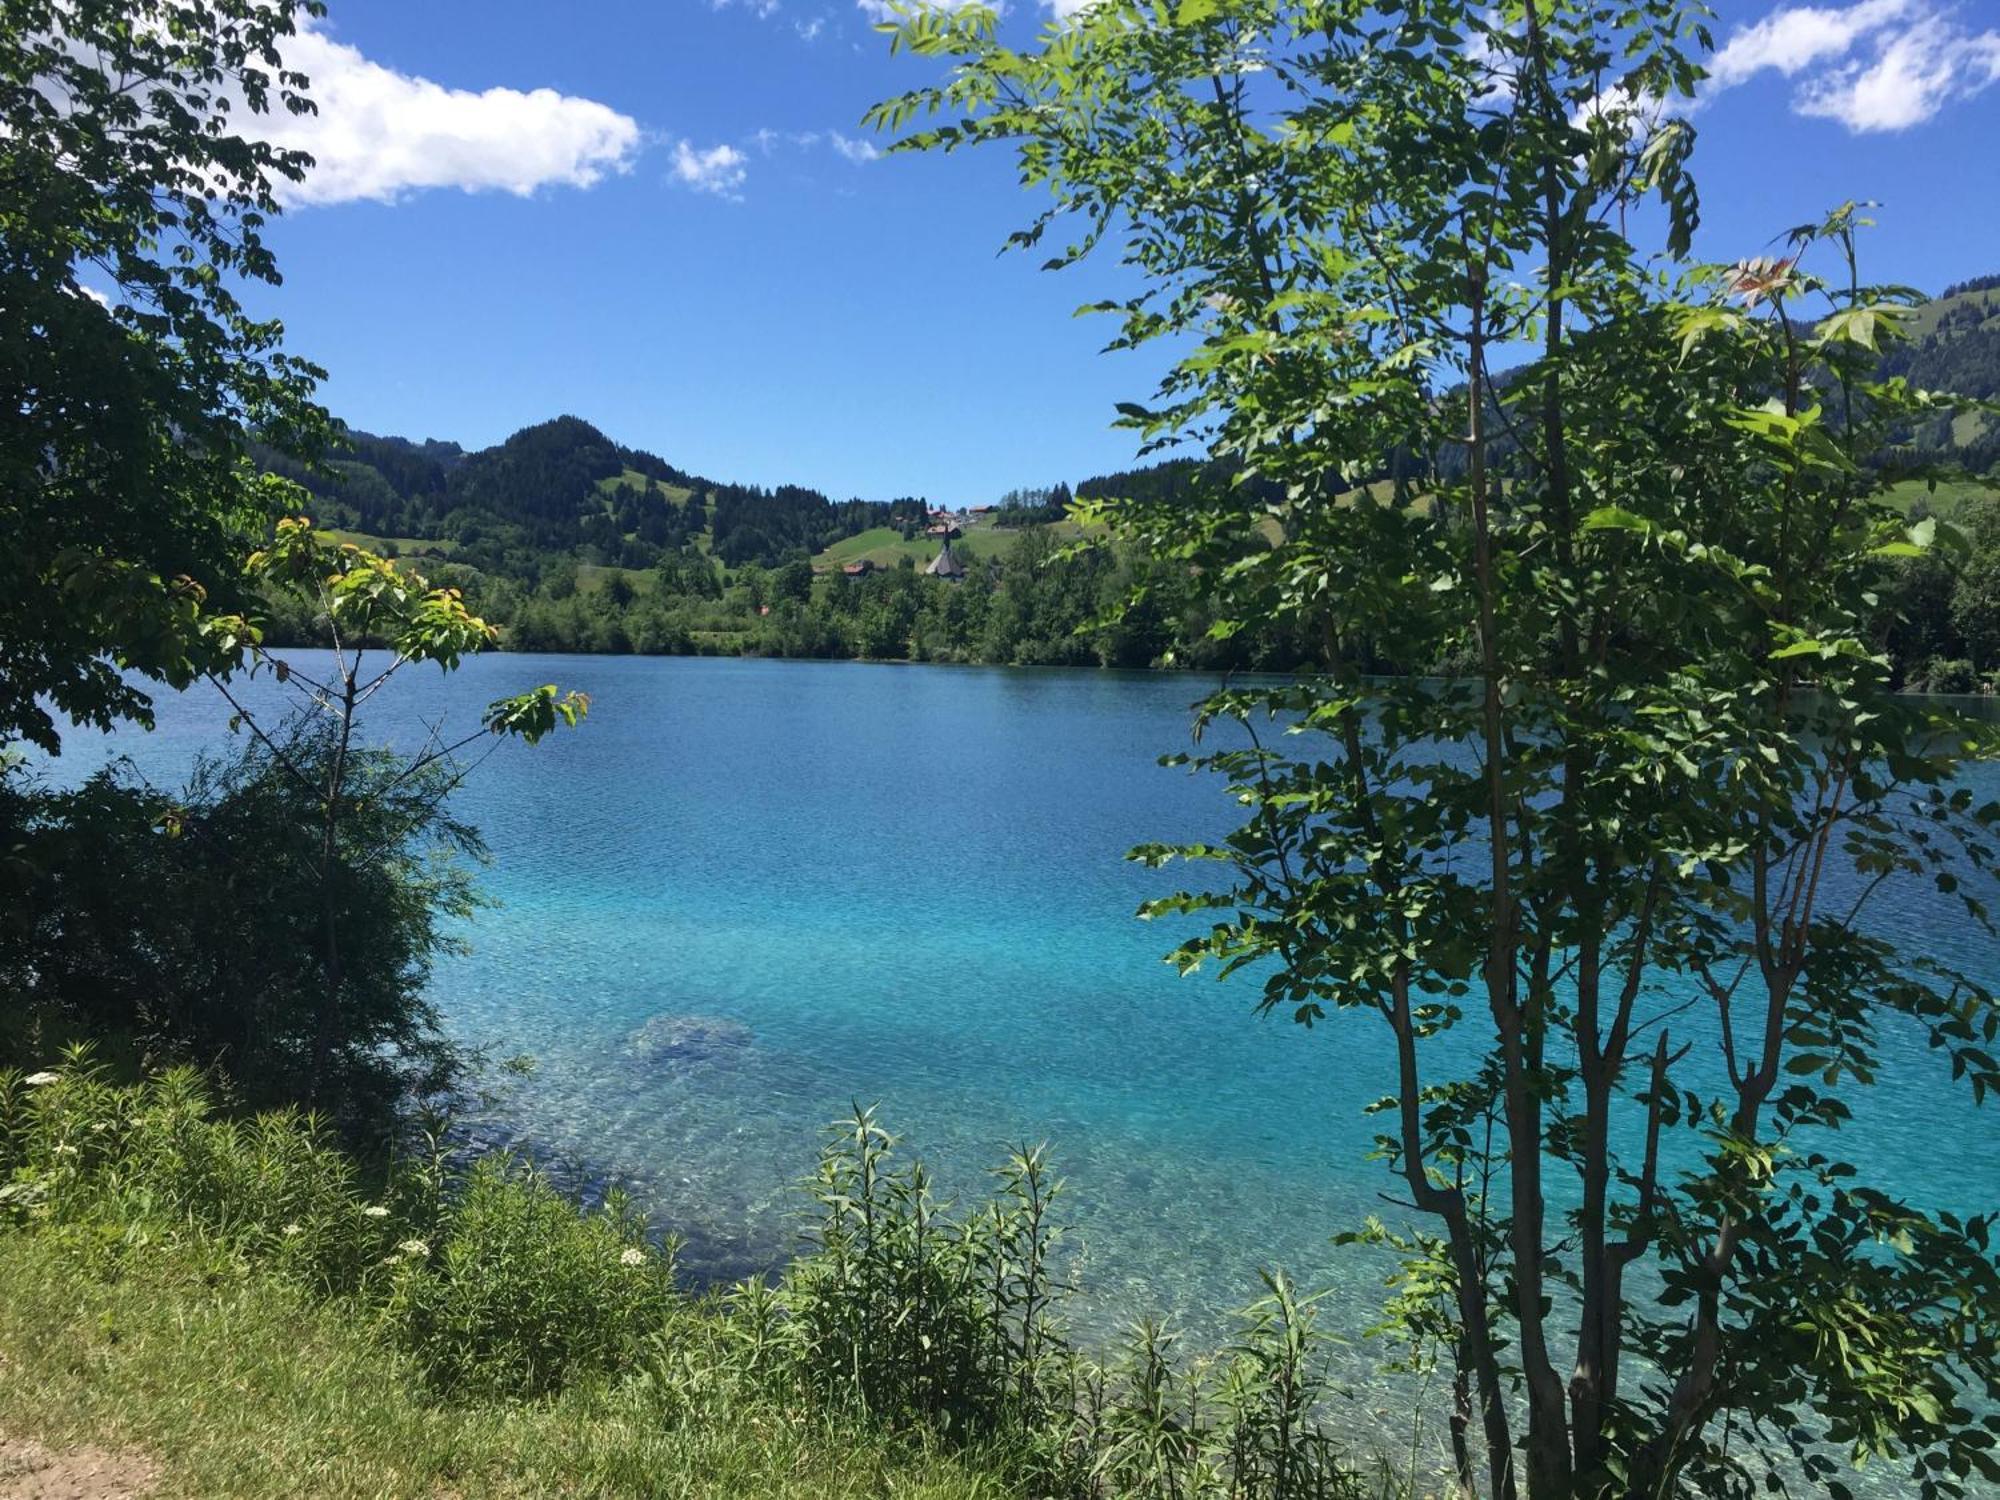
<point x="905" y="885"/>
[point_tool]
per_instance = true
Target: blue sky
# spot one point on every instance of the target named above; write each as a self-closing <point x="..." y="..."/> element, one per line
<point x="665" y="216"/>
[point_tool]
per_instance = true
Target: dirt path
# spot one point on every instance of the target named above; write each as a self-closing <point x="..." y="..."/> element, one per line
<point x="29" y="1471"/>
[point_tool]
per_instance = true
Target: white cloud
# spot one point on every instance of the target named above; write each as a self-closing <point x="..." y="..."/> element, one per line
<point x="1795" y="37"/>
<point x="1908" y="82"/>
<point x="381" y="135"/>
<point x="809" y="30"/>
<point x="767" y="142"/>
<point x="1871" y="64"/>
<point x="715" y="169"/>
<point x="855" y="151"/>
<point x="1064" y="10"/>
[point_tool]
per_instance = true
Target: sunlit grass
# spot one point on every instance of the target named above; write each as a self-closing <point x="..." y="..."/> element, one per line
<point x="676" y="494"/>
<point x="402" y="544"/>
<point x="238" y="1301"/>
<point x="238" y="1385"/>
<point x="1947" y="499"/>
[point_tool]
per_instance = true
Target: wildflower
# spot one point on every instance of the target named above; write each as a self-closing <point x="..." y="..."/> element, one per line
<point x="415" y="1249"/>
<point x="64" y="1148"/>
<point x="633" y="1257"/>
<point x="290" y="1230"/>
<point x="36" y="1080"/>
<point x="375" y="1211"/>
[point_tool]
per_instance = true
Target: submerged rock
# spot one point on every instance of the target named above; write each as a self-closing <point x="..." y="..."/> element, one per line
<point x="686" y="1039"/>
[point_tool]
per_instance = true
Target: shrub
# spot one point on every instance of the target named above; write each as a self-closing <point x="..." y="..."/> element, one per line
<point x="77" y="1148"/>
<point x="911" y="1314"/>
<point x="1244" y="1426"/>
<point x="523" y="1293"/>
<point x="1950" y="675"/>
<point x="192" y="924"/>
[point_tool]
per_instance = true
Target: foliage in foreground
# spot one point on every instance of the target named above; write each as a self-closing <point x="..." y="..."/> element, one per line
<point x="458" y="1289"/>
<point x="132" y="378"/>
<point x="276" y="921"/>
<point x="1611" y="894"/>
<point x="189" y="926"/>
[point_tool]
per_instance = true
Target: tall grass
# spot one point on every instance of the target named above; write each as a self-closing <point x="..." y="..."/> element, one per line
<point x="900" y="1317"/>
<point x="914" y="1315"/>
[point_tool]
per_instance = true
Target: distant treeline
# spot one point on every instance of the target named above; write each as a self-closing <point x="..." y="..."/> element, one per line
<point x="1044" y="604"/>
<point x="572" y="542"/>
<point x="1041" y="606"/>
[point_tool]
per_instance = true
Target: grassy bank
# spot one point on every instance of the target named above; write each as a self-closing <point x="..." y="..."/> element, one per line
<point x="231" y="1382"/>
<point x="244" y="1310"/>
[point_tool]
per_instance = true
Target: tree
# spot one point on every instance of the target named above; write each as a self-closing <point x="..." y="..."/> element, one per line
<point x="793" y="580"/>
<point x="131" y="377"/>
<point x="1606" y="890"/>
<point x="1975" y="594"/>
<point x="372" y="610"/>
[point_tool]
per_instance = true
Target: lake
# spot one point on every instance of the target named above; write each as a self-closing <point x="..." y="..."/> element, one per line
<point x="904" y="885"/>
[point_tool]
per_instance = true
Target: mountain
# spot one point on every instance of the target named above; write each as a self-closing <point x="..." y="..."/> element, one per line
<point x="562" y="487"/>
<point x="562" y="495"/>
<point x="1955" y="346"/>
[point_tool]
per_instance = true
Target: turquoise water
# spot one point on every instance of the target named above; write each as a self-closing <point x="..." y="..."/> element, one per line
<point x="905" y="885"/>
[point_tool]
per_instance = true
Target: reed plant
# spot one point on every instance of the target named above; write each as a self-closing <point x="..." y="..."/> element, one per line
<point x="910" y="1313"/>
<point x="1246" y="1424"/>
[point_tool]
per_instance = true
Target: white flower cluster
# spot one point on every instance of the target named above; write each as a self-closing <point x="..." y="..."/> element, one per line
<point x="633" y="1257"/>
<point x="407" y="1250"/>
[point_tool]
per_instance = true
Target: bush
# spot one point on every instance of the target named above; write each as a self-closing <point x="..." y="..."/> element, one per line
<point x="524" y="1293"/>
<point x="913" y="1315"/>
<point x="1943" y="675"/>
<point x="78" y="1149"/>
<point x="189" y="927"/>
<point x="497" y="1284"/>
<point x="1242" y="1427"/>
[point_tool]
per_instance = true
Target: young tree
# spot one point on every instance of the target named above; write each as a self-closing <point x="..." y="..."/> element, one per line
<point x="1605" y="890"/>
<point x="132" y="382"/>
<point x="131" y="377"/>
<point x="381" y="619"/>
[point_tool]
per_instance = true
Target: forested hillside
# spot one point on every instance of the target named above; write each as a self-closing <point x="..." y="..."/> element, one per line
<point x="564" y="487"/>
<point x="1955" y="346"/>
<point x="572" y="541"/>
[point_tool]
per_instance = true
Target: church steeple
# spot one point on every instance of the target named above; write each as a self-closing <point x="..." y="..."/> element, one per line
<point x="946" y="563"/>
